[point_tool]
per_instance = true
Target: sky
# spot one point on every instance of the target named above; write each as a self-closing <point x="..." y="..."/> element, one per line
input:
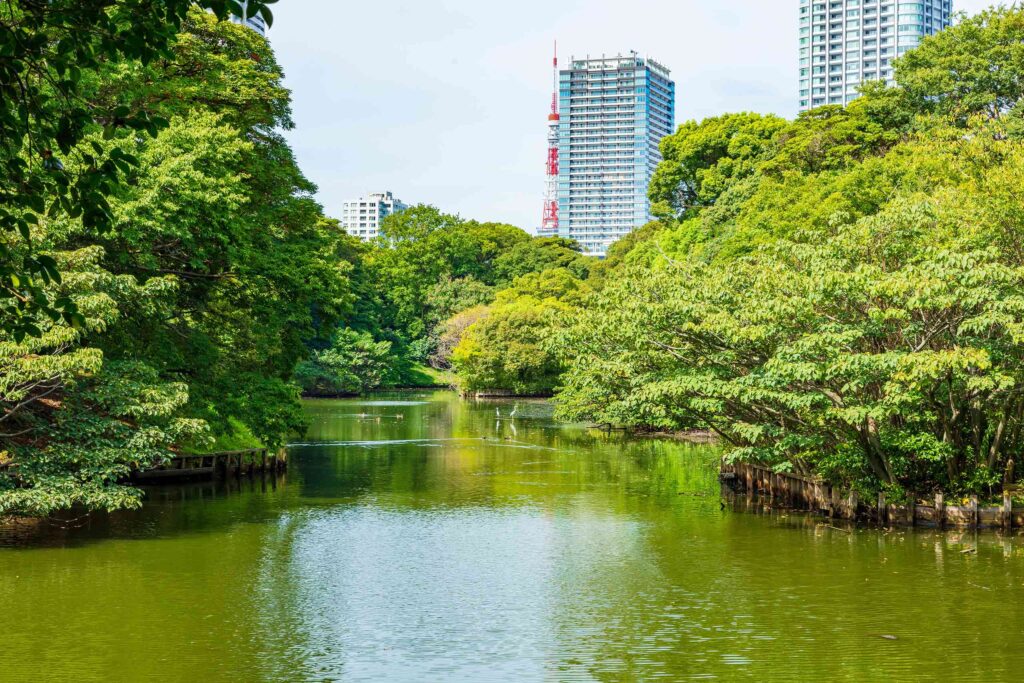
<point x="445" y="102"/>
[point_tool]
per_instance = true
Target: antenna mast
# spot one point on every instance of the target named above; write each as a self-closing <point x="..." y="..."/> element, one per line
<point x="549" y="220"/>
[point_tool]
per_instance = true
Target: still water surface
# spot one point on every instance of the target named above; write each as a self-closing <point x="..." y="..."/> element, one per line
<point x="420" y="538"/>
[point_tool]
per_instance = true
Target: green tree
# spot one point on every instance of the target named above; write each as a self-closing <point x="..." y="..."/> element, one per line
<point x="219" y="204"/>
<point x="971" y="69"/>
<point x="449" y="296"/>
<point x="48" y="52"/>
<point x="74" y="425"/>
<point x="353" y="364"/>
<point x="538" y="254"/>
<point x="427" y="266"/>
<point x="880" y="355"/>
<point x="510" y="345"/>
<point x="418" y="248"/>
<point x="450" y="333"/>
<point x="850" y="305"/>
<point x="509" y="349"/>
<point x="196" y="302"/>
<point x="702" y="159"/>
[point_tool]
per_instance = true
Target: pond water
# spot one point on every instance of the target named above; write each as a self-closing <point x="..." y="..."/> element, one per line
<point x="417" y="537"/>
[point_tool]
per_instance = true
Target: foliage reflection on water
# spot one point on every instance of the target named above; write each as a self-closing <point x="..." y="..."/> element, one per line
<point x="418" y="537"/>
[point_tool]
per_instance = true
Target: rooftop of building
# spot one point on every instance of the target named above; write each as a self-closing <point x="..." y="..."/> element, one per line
<point x="619" y="61"/>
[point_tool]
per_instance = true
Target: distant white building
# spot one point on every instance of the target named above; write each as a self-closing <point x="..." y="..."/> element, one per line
<point x="255" y="22"/>
<point x="362" y="217"/>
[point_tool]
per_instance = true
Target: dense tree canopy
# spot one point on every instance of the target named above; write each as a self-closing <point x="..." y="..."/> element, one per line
<point x="702" y="159"/>
<point x="510" y="345"/>
<point x="972" y="69"/>
<point x="428" y="268"/>
<point x="510" y="348"/>
<point x="49" y="53"/>
<point x="214" y="272"/>
<point x="840" y="294"/>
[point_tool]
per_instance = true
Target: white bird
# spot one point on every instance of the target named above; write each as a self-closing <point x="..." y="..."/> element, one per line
<point x="497" y="412"/>
<point x="514" y="411"/>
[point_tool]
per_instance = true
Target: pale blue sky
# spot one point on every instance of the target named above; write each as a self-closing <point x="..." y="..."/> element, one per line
<point x="445" y="101"/>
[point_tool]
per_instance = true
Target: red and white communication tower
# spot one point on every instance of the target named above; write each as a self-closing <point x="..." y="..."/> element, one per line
<point x="549" y="221"/>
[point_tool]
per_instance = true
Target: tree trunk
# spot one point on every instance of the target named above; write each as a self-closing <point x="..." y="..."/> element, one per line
<point x="872" y="451"/>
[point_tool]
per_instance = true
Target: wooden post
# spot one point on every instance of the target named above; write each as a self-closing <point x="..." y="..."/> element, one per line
<point x="1007" y="511"/>
<point x="748" y="479"/>
<point x="974" y="511"/>
<point x="852" y="505"/>
<point x="940" y="510"/>
<point x="882" y="509"/>
<point x="263" y="454"/>
<point x="912" y="509"/>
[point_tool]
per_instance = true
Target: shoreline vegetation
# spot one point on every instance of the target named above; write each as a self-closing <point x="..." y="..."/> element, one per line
<point x="175" y="261"/>
<point x="420" y="378"/>
<point x="183" y="287"/>
<point x="788" y="491"/>
<point x="838" y="296"/>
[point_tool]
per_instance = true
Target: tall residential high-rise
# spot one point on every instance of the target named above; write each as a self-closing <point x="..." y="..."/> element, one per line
<point x="844" y="43"/>
<point x="614" y="111"/>
<point x="362" y="217"/>
<point x="255" y="22"/>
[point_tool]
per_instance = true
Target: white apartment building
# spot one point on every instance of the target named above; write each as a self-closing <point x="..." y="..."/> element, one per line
<point x="362" y="217"/>
<point x="614" y="112"/>
<point x="844" y="43"/>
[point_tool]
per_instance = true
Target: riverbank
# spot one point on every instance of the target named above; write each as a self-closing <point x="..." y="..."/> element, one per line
<point x="250" y="461"/>
<point x="819" y="497"/>
<point x="695" y="436"/>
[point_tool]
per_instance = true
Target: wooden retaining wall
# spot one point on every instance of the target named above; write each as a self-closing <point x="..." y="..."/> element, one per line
<point x="237" y="463"/>
<point x="817" y="496"/>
